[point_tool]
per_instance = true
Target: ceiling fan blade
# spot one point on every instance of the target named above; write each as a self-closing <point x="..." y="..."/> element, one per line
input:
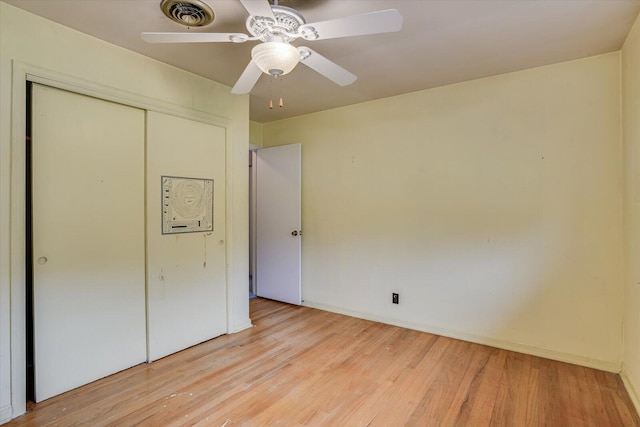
<point x="248" y="79"/>
<point x="324" y="66"/>
<point x="382" y="21"/>
<point x="194" y="37"/>
<point x="258" y="8"/>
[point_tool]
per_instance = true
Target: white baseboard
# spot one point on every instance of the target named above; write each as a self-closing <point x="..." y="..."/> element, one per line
<point x="492" y="342"/>
<point x="5" y="414"/>
<point x="242" y="327"/>
<point x="633" y="394"/>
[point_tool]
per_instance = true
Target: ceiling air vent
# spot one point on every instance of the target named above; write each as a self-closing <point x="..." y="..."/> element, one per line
<point x="191" y="13"/>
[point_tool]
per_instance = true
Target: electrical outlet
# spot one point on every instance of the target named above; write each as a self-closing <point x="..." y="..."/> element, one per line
<point x="395" y="298"/>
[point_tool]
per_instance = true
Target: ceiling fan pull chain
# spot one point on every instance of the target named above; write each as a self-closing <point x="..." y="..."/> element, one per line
<point x="271" y="90"/>
<point x="279" y="90"/>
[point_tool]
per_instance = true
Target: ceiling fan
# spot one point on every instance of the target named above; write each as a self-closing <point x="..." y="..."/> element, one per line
<point x="276" y="27"/>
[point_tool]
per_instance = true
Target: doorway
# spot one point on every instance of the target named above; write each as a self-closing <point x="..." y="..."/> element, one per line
<point x="15" y="334"/>
<point x="252" y="221"/>
<point x="31" y="396"/>
<point x="275" y="218"/>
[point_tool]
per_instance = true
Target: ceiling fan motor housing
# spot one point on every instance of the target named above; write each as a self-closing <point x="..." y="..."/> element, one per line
<point x="285" y="27"/>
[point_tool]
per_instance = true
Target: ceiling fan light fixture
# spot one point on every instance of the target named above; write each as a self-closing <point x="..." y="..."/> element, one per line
<point x="275" y="58"/>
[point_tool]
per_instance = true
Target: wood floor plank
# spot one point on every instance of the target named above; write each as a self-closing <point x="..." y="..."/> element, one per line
<point x="513" y="392"/>
<point x="303" y="367"/>
<point x="458" y="411"/>
<point x="483" y="391"/>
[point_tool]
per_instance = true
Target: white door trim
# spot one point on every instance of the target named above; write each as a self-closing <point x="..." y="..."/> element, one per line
<point x="23" y="73"/>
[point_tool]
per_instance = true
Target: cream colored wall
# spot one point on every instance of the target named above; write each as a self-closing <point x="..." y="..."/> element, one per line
<point x="40" y="43"/>
<point x="631" y="138"/>
<point x="255" y="133"/>
<point x="493" y="207"/>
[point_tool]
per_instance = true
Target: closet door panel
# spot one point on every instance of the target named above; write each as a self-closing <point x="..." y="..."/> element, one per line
<point x="88" y="239"/>
<point x="187" y="293"/>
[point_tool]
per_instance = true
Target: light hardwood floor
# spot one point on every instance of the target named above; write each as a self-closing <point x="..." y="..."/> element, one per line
<point x="299" y="366"/>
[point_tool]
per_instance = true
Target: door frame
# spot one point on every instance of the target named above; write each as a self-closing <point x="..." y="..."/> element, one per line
<point x="22" y="73"/>
<point x="252" y="216"/>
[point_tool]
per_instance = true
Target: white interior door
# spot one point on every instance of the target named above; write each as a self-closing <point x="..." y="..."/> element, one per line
<point x="278" y="225"/>
<point x="88" y="231"/>
<point x="187" y="291"/>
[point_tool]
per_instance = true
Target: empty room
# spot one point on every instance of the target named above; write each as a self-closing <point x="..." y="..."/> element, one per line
<point x="320" y="212"/>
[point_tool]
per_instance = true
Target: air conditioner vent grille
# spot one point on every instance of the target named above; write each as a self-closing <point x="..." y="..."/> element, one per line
<point x="190" y="13"/>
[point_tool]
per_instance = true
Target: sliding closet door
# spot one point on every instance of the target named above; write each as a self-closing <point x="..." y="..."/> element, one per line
<point x="88" y="228"/>
<point x="186" y="233"/>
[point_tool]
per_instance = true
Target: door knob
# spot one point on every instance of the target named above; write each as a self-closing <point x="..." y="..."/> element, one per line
<point x="294" y="233"/>
<point x="42" y="260"/>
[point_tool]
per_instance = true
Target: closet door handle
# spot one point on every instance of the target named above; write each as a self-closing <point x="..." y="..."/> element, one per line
<point x="294" y="233"/>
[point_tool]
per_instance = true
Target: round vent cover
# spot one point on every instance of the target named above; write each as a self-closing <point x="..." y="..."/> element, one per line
<point x="190" y="13"/>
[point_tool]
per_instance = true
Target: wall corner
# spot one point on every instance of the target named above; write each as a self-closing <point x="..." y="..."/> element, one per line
<point x="628" y="385"/>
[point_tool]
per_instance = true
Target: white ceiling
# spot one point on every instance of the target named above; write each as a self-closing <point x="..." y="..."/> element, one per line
<point x="442" y="42"/>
